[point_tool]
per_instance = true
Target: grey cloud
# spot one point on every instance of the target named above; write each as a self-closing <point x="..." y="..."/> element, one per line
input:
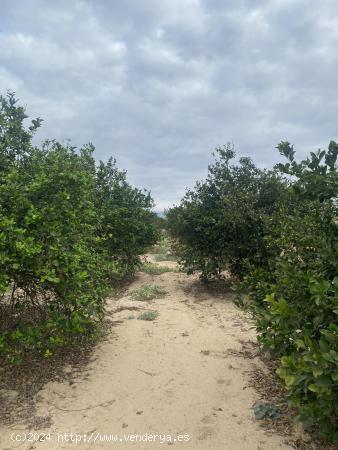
<point x="158" y="85"/>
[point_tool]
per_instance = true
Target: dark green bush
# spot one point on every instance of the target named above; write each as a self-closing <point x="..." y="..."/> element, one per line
<point x="126" y="226"/>
<point x="67" y="229"/>
<point x="295" y="299"/>
<point x="277" y="232"/>
<point x="219" y="225"/>
<point x="311" y="379"/>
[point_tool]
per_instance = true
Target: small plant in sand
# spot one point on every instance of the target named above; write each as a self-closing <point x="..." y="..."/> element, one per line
<point x="147" y="292"/>
<point x="148" y="315"/>
<point x="266" y="411"/>
<point x="163" y="246"/>
<point x="154" y="269"/>
<point x="165" y="257"/>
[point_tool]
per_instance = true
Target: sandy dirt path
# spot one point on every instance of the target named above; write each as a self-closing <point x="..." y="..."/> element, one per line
<point x="177" y="375"/>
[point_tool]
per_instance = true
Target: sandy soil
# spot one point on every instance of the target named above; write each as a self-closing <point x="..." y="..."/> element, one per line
<point x="177" y="375"/>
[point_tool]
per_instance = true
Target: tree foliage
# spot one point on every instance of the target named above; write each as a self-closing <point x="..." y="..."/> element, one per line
<point x="277" y="232"/>
<point x="67" y="230"/>
<point x="126" y="225"/>
<point x="219" y="224"/>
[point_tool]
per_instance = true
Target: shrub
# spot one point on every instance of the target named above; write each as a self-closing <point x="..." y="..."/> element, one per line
<point x="48" y="244"/>
<point x="163" y="245"/>
<point x="311" y="378"/>
<point x="276" y="231"/>
<point x="127" y="227"/>
<point x="154" y="269"/>
<point x="219" y="225"/>
<point x="65" y="228"/>
<point x="165" y="257"/>
<point x="148" y="315"/>
<point x="295" y="302"/>
<point x="148" y="292"/>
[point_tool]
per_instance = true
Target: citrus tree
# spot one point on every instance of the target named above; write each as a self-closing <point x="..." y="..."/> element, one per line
<point x="67" y="227"/>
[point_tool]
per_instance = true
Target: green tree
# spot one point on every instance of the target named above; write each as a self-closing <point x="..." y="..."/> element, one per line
<point x="295" y="300"/>
<point x="127" y="226"/>
<point x="66" y="229"/>
<point x="219" y="224"/>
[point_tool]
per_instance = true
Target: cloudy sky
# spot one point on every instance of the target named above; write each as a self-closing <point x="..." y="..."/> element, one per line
<point x="158" y="84"/>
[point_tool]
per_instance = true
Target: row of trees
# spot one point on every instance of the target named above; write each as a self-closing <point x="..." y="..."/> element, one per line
<point x="276" y="232"/>
<point x="69" y="230"/>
